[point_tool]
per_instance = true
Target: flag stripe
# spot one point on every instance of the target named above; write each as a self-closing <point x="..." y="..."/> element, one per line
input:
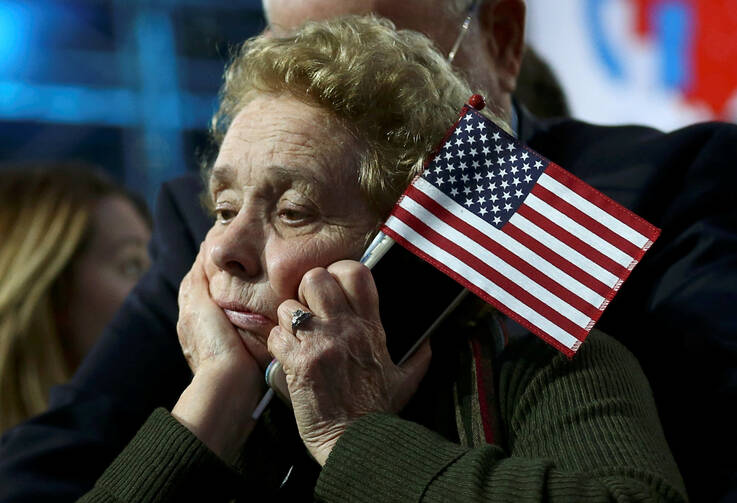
<point x="589" y="200"/>
<point x="556" y="259"/>
<point x="551" y="293"/>
<point x="536" y="299"/>
<point x="585" y="220"/>
<point x="579" y="231"/>
<point x="507" y="248"/>
<point x="481" y="285"/>
<point x="567" y="245"/>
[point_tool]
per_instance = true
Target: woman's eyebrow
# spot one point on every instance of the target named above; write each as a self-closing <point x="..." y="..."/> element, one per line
<point x="221" y="176"/>
<point x="291" y="174"/>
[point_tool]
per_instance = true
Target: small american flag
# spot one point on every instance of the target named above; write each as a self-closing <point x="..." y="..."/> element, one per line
<point x="528" y="237"/>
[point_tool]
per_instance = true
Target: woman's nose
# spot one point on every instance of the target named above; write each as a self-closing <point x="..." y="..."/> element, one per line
<point x="236" y="249"/>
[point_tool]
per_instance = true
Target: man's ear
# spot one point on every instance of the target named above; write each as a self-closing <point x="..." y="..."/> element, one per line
<point x="503" y="27"/>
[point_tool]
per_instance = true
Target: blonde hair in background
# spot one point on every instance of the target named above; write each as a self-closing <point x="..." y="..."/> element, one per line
<point x="391" y="89"/>
<point x="44" y="221"/>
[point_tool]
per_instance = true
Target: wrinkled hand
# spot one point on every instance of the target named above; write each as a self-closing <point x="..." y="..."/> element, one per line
<point x="337" y="365"/>
<point x="227" y="381"/>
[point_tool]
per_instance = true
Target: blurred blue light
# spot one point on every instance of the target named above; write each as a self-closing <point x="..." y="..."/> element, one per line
<point x="15" y="33"/>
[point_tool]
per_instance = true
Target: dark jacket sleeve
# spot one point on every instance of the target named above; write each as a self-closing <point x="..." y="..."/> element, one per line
<point x="135" y="367"/>
<point x="580" y="430"/>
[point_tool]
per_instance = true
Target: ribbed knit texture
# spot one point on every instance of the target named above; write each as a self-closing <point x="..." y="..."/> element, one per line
<point x="165" y="462"/>
<point x="581" y="430"/>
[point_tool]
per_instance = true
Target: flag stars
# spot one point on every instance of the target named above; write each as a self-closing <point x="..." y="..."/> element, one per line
<point x="514" y="170"/>
<point x="477" y="176"/>
<point x="469" y="128"/>
<point x="525" y="155"/>
<point x="498" y="149"/>
<point x="506" y="196"/>
<point x="500" y="161"/>
<point x="459" y="141"/>
<point x="481" y="126"/>
<point x="513" y="158"/>
<point x="510" y="147"/>
<point x="479" y="188"/>
<point x="528" y="178"/>
<point x="497" y="220"/>
<point x="448" y="156"/>
<point x="518" y="193"/>
<point x="515" y="181"/>
<point x="496" y="136"/>
<point x="471" y="139"/>
<point x="486" y="150"/>
<point x="481" y="200"/>
<point x="453" y="192"/>
<point x="526" y="167"/>
<point x="476" y="165"/>
<point x="483" y="138"/>
<point x="451" y="179"/>
<point x="504" y="184"/>
<point x="492" y="187"/>
<point x="467" y="190"/>
<point x="473" y="152"/>
<point x="461" y="154"/>
<point x="469" y="202"/>
<point x="507" y="207"/>
<point x="538" y="164"/>
<point x="502" y="173"/>
<point x="483" y="211"/>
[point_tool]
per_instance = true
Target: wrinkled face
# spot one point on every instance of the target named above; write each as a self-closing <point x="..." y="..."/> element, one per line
<point x="286" y="198"/>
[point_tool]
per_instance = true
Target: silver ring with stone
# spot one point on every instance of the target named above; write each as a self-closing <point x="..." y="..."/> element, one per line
<point x="299" y="317"/>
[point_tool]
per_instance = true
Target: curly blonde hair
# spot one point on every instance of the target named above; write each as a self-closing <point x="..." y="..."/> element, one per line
<point x="391" y="89"/>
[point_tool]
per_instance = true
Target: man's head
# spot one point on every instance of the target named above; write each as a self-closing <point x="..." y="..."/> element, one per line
<point x="489" y="56"/>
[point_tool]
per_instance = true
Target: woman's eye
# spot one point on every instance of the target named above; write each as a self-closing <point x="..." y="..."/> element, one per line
<point x="224" y="215"/>
<point x="293" y="216"/>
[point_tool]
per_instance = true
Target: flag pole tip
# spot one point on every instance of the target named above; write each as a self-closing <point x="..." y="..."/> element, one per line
<point x="477" y="102"/>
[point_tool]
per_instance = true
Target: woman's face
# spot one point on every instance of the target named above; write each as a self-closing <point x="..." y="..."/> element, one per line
<point x="104" y="273"/>
<point x="286" y="197"/>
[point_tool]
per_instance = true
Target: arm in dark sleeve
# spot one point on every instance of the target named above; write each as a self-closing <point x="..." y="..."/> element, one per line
<point x="135" y="367"/>
<point x="677" y="312"/>
<point x="583" y="430"/>
<point x="165" y="462"/>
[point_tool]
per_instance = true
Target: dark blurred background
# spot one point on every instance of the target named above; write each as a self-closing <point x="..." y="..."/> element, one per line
<point x="129" y="85"/>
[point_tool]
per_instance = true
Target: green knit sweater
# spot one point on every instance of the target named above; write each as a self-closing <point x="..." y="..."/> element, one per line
<point x="575" y="430"/>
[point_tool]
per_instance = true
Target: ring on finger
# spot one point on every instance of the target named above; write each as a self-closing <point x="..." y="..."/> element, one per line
<point x="299" y="317"/>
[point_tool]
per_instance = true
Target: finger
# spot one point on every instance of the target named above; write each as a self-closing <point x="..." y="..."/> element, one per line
<point x="286" y="311"/>
<point x="413" y="370"/>
<point x="282" y="345"/>
<point x="358" y="287"/>
<point x="322" y="294"/>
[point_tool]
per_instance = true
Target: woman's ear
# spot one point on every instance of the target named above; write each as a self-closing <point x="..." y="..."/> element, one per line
<point x="503" y="27"/>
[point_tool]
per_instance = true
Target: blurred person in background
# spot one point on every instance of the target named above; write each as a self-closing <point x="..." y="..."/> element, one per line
<point x="73" y="246"/>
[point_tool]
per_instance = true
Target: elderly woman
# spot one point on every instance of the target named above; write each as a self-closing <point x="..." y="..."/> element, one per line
<point x="319" y="133"/>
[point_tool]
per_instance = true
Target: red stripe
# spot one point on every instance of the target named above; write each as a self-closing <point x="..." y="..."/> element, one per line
<point x="602" y="201"/>
<point x="498" y="279"/>
<point x="481" y="293"/>
<point x="557" y="260"/>
<point x="585" y="220"/>
<point x="526" y="268"/>
<point x="577" y="244"/>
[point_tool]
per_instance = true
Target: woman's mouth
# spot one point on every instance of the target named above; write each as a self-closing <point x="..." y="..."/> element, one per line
<point x="248" y="320"/>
